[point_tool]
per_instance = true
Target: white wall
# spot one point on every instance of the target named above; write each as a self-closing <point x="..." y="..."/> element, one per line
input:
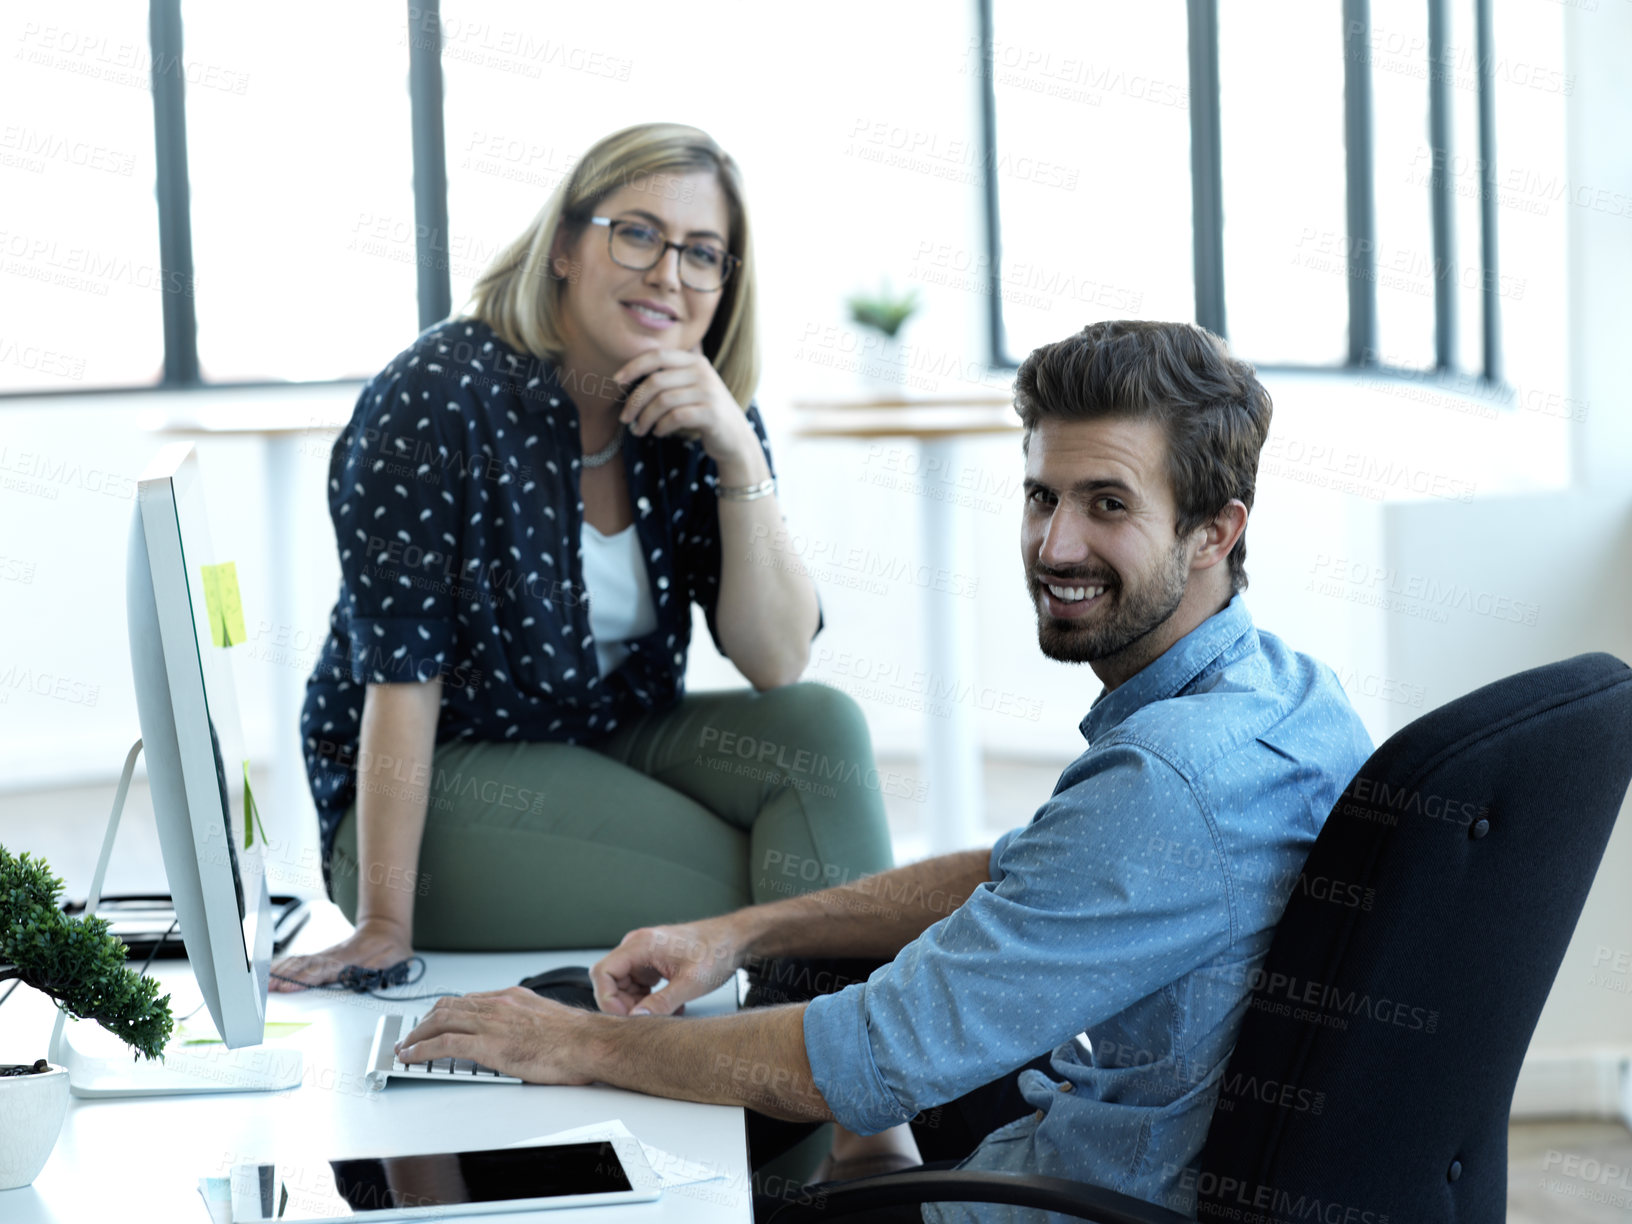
<point x="70" y="467"/>
<point x="1567" y="555"/>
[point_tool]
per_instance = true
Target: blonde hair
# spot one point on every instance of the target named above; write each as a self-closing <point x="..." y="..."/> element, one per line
<point x="519" y="294"/>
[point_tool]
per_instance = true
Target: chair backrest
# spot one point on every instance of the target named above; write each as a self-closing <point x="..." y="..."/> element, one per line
<point x="1375" y="1067"/>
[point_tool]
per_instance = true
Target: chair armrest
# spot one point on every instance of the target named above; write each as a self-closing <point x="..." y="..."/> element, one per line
<point x="1080" y="1200"/>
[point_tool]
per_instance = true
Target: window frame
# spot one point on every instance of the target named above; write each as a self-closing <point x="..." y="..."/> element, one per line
<point x="1207" y="189"/>
<point x="181" y="371"/>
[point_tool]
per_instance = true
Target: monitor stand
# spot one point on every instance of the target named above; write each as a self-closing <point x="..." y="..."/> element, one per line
<point x="114" y="1070"/>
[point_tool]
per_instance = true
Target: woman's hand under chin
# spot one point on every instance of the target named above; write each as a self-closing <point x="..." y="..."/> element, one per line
<point x="682" y="392"/>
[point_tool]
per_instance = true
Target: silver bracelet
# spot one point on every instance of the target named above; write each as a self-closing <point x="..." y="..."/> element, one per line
<point x="746" y="492"/>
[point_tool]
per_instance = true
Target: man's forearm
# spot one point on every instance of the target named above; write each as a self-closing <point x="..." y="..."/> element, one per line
<point x="757" y="1058"/>
<point x="877" y="915"/>
<point x="754" y="1058"/>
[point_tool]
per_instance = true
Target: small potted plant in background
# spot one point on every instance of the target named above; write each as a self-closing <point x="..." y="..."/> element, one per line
<point x="82" y="968"/>
<point x="883" y="313"/>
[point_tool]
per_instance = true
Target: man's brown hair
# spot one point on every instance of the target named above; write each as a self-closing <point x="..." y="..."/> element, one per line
<point x="1211" y="406"/>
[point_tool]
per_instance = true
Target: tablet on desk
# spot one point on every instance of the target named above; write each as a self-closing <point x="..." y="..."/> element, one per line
<point x="424" y="1186"/>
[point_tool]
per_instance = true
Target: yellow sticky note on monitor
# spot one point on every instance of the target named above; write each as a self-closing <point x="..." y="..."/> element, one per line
<point x="221" y="601"/>
<point x="252" y="814"/>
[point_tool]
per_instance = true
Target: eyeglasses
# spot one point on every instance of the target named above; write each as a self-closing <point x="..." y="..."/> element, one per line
<point x="704" y="266"/>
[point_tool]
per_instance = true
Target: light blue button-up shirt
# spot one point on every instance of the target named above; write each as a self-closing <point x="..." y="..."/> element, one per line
<point x="1120" y="928"/>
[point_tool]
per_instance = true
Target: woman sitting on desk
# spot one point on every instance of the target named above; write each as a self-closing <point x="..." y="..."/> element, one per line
<point x="496" y="734"/>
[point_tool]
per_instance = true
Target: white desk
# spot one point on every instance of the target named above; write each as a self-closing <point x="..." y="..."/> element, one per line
<point x="133" y="1161"/>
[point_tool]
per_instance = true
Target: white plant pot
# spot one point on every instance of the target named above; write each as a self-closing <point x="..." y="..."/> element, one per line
<point x="32" y="1108"/>
<point x="880" y="369"/>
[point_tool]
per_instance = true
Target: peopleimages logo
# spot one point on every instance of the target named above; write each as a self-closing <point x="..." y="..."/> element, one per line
<point x="1335" y="892"/>
<point x="1224" y="1198"/>
<point x="771" y="760"/>
<point x="1376" y="800"/>
<point x="48" y="684"/>
<point x="1239" y="1085"/>
<point x="1332" y="1006"/>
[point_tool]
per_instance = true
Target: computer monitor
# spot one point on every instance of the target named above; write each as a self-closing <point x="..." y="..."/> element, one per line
<point x="197" y="769"/>
<point x="183" y="619"/>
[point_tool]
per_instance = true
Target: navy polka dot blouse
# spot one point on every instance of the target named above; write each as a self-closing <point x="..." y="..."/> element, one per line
<point x="454" y="496"/>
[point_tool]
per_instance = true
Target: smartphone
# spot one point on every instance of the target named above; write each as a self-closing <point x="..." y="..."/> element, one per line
<point x="426" y="1185"/>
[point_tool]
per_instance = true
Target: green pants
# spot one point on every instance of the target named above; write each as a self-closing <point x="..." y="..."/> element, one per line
<point x="726" y="799"/>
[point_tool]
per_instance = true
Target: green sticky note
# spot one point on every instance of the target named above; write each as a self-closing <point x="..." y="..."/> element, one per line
<point x="221" y="601"/>
<point x="271" y="1031"/>
<point x="252" y="814"/>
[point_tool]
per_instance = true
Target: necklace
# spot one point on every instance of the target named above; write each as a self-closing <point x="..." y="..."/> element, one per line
<point x="604" y="455"/>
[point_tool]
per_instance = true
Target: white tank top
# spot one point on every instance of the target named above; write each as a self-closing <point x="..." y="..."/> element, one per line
<point x="620" y="598"/>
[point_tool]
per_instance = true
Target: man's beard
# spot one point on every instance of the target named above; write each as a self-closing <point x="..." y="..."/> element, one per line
<point x="1127" y="616"/>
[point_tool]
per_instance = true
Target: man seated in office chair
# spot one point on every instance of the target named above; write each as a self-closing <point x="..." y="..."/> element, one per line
<point x="1069" y="997"/>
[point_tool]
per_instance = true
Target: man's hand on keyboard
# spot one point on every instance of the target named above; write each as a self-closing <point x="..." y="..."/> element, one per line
<point x="513" y="1031"/>
<point x="695" y="957"/>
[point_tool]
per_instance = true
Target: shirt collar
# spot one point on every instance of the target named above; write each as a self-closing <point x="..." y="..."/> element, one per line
<point x="1170" y="674"/>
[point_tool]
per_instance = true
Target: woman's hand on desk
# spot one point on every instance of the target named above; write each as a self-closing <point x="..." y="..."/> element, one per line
<point x="695" y="957"/>
<point x="375" y="944"/>
<point x="513" y="1031"/>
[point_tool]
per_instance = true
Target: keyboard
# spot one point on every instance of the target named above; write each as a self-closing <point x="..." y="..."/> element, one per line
<point x="383" y="1063"/>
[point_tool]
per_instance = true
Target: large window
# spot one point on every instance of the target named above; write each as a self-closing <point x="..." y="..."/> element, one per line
<point x="207" y="209"/>
<point x="1286" y="256"/>
<point x="81" y="284"/>
<point x="298" y="157"/>
<point x="1339" y="189"/>
<point x="1403" y="161"/>
<point x="1532" y="194"/>
<point x="1319" y="180"/>
<point x="1090" y="99"/>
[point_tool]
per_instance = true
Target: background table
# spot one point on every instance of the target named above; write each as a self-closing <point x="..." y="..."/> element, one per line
<point x="952" y="764"/>
<point x="134" y="1161"/>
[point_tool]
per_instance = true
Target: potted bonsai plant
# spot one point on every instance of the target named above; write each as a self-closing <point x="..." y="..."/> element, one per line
<point x="882" y="313"/>
<point x="82" y="968"/>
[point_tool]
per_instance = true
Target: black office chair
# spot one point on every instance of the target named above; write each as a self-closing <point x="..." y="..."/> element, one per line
<point x="1404" y="981"/>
